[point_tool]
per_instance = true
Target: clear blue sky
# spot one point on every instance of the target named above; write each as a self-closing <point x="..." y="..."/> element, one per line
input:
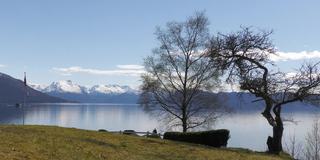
<point x="43" y="36"/>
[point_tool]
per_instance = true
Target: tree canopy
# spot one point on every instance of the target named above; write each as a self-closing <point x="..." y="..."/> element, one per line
<point x="179" y="76"/>
<point x="245" y="57"/>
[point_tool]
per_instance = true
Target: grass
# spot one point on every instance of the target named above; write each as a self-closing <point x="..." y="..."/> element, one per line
<point x="56" y="143"/>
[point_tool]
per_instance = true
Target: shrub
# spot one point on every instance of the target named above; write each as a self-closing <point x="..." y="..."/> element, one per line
<point x="129" y="132"/>
<point x="102" y="130"/>
<point x="153" y="136"/>
<point x="215" y="138"/>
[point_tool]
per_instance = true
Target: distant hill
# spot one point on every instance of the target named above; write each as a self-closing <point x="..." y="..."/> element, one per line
<point x="13" y="90"/>
<point x="244" y="102"/>
<point x="66" y="89"/>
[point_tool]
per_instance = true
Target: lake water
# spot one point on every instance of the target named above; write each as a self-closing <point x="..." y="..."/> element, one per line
<point x="248" y="130"/>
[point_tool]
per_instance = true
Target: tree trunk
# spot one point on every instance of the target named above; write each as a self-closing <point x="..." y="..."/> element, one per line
<point x="275" y="143"/>
<point x="184" y="119"/>
<point x="184" y="126"/>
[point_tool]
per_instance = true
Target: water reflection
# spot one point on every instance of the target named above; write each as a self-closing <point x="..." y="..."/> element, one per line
<point x="248" y="130"/>
<point x="85" y="116"/>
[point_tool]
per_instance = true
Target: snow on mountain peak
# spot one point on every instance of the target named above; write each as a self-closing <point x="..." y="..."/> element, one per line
<point x="107" y="89"/>
<point x="67" y="86"/>
<point x="64" y="86"/>
<point x="39" y="87"/>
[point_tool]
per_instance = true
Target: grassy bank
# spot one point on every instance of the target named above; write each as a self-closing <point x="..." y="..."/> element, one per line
<point x="52" y="143"/>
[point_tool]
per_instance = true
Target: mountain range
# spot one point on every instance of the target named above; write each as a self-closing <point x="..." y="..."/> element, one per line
<point x="68" y="90"/>
<point x="14" y="91"/>
<point x="124" y="94"/>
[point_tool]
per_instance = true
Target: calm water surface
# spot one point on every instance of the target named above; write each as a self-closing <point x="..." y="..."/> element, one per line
<point x="248" y="130"/>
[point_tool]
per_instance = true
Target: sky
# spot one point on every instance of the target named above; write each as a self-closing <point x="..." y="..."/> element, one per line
<point x="105" y="41"/>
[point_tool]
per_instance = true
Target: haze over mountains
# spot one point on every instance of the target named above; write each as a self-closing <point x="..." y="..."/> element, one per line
<point x="94" y="94"/>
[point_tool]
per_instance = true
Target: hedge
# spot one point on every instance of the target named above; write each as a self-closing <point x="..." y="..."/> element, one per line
<point x="129" y="132"/>
<point x="215" y="138"/>
<point x="102" y="130"/>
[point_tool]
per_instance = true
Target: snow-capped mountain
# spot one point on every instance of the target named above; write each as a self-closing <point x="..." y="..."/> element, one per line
<point x="111" y="89"/>
<point x="13" y="91"/>
<point x="124" y="94"/>
<point x="97" y="93"/>
<point x="38" y="87"/>
<point x="65" y="87"/>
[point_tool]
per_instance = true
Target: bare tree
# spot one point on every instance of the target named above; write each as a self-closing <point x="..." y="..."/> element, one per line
<point x="293" y="147"/>
<point x="246" y="57"/>
<point x="312" y="146"/>
<point x="179" y="77"/>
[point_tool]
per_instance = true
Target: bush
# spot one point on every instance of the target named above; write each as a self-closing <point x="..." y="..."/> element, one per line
<point x="215" y="138"/>
<point x="102" y="130"/>
<point x="153" y="136"/>
<point x="129" y="132"/>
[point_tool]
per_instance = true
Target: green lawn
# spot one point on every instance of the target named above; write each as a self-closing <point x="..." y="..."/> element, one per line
<point x="56" y="143"/>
